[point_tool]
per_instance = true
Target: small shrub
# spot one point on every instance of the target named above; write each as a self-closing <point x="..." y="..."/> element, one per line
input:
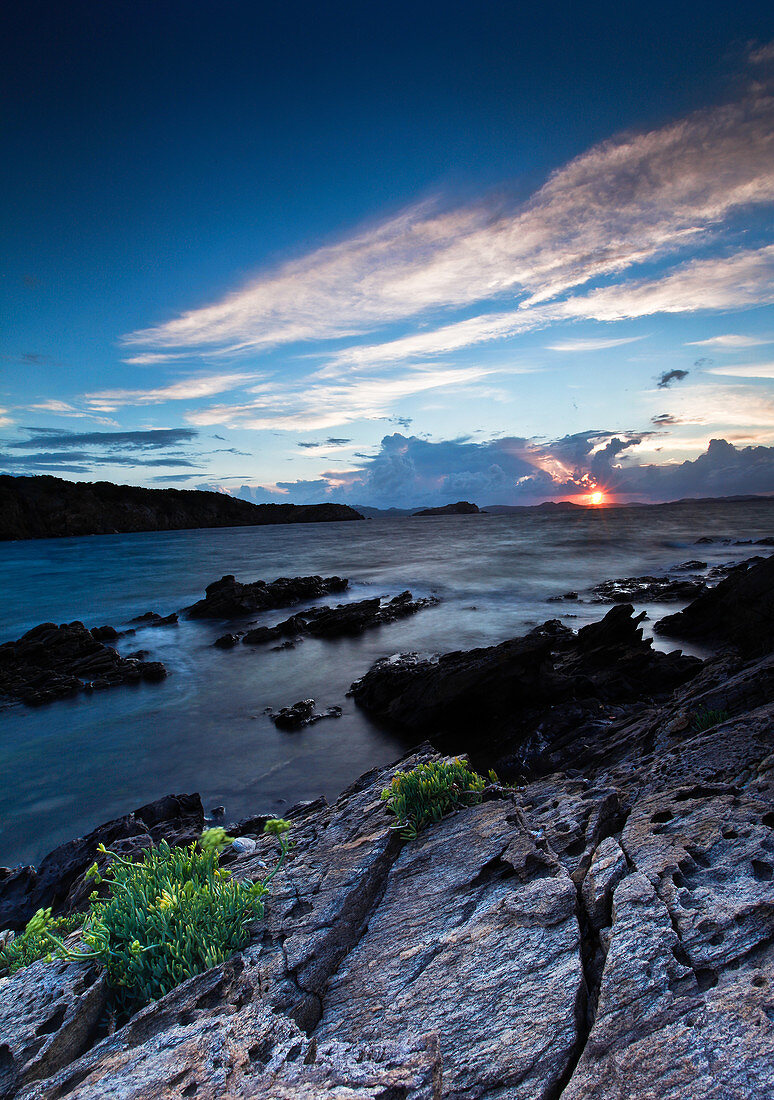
<point x="705" y="719"/>
<point x="173" y="914"/>
<point x="34" y="942"/>
<point x="428" y="792"/>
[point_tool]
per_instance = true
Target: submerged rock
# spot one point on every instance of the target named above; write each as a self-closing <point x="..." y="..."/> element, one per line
<point x="228" y="598"/>
<point x="302" y="714"/>
<point x="152" y="618"/>
<point x="50" y="662"/>
<point x="657" y="589"/>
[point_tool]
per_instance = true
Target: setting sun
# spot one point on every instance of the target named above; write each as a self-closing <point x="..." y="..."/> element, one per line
<point x="597" y="497"/>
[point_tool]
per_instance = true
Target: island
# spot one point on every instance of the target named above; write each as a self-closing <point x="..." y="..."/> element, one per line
<point x="461" y="508"/>
<point x="45" y="507"/>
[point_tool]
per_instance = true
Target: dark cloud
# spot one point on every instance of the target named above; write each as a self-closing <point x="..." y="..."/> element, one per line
<point x="141" y="440"/>
<point x="331" y="441"/>
<point x="664" y="419"/>
<point x="165" y="479"/>
<point x="703" y="362"/>
<point x="63" y="460"/>
<point x="670" y="376"/>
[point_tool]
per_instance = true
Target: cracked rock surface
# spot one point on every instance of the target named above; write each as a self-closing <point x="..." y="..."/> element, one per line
<point x="603" y="931"/>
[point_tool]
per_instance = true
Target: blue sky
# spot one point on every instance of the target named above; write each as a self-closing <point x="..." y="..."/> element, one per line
<point x="392" y="255"/>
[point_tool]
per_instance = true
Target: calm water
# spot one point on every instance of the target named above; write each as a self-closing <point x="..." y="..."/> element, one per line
<point x="68" y="766"/>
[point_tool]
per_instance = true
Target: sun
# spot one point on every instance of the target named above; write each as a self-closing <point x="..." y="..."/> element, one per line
<point x="597" y="497"/>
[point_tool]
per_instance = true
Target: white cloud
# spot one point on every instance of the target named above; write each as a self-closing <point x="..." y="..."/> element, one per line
<point x="731" y="341"/>
<point x="592" y="343"/>
<point x="313" y="406"/>
<point x="188" y="389"/>
<point x="5" y="420"/>
<point x="745" y="370"/>
<point x="626" y="200"/>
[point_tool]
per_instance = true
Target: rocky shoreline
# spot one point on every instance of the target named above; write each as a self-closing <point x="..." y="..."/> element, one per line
<point x="600" y="926"/>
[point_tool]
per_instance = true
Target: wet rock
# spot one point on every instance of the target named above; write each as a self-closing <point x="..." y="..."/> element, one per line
<point x="535" y="697"/>
<point x="691" y="566"/>
<point x="48" y="1012"/>
<point x="58" y="880"/>
<point x="226" y="641"/>
<point x="50" y="662"/>
<point x="228" y="598"/>
<point x="302" y="714"/>
<point x="739" y="611"/>
<point x="152" y="618"/>
<point x="656" y="589"/>
<point x="337" y="622"/>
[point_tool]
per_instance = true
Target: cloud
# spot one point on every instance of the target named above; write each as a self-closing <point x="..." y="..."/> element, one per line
<point x="187" y="389"/>
<point x="664" y="420"/>
<point x="592" y="343"/>
<point x="745" y="370"/>
<point x="761" y="55"/>
<point x="5" y="420"/>
<point x="731" y="341"/>
<point x="629" y="199"/>
<point x="331" y="441"/>
<point x="64" y="460"/>
<point x="139" y="440"/>
<point x="670" y="376"/>
<point x="313" y="405"/>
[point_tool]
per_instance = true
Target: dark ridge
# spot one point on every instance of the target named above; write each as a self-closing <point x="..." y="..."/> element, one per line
<point x="45" y="507"/>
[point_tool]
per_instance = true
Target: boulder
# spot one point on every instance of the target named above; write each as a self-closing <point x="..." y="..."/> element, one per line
<point x="50" y="662"/>
<point x="739" y="611"/>
<point x="228" y="598"/>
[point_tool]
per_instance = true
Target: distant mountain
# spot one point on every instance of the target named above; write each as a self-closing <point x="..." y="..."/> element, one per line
<point x="461" y="508"/>
<point x="48" y="507"/>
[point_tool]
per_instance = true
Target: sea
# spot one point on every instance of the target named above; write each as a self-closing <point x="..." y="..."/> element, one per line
<point x="72" y="764"/>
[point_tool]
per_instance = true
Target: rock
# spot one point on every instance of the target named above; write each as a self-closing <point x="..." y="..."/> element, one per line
<point x="228" y="598"/>
<point x="226" y="641"/>
<point x="656" y="589"/>
<point x="461" y="508"/>
<point x="50" y="662"/>
<point x="337" y="622"/>
<point x="691" y="566"/>
<point x="536" y="697"/>
<point x="450" y="937"/>
<point x="152" y="618"/>
<point x="302" y="714"/>
<point x="58" y="881"/>
<point x="244" y="846"/>
<point x="48" y="1013"/>
<point x="105" y="633"/>
<point x="739" y="611"/>
<point x="608" y="867"/>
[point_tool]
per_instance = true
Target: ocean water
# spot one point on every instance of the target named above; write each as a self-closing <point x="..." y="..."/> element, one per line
<point x="72" y="764"/>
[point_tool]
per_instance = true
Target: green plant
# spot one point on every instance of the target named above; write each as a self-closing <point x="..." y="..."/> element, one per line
<point x="173" y="914"/>
<point x="705" y="719"/>
<point x="35" y="941"/>
<point x="428" y="792"/>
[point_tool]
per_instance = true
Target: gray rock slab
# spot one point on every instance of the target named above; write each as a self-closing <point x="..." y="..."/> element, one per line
<point x="475" y="938"/>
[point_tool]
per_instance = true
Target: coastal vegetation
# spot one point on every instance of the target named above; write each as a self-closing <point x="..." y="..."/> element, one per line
<point x="429" y="792"/>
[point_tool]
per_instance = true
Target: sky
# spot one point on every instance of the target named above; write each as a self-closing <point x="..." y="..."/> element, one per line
<point x="390" y="255"/>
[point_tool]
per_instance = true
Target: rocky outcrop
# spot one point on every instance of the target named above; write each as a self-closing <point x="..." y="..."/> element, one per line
<point x="229" y="598"/>
<point x="50" y="662"/>
<point x="602" y="931"/>
<point x="58" y="880"/>
<point x="302" y="714"/>
<point x="660" y="589"/>
<point x="335" y="622"/>
<point x="44" y="507"/>
<point x="461" y="508"/>
<point x="739" y="611"/>
<point x="537" y="697"/>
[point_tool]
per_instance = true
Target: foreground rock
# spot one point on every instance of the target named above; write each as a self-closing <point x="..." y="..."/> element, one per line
<point x="739" y="611"/>
<point x="58" y="880"/>
<point x="229" y="598"/>
<point x="50" y="662"/>
<point x="538" y="697"/>
<point x="336" y="622"/>
<point x="659" y="589"/>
